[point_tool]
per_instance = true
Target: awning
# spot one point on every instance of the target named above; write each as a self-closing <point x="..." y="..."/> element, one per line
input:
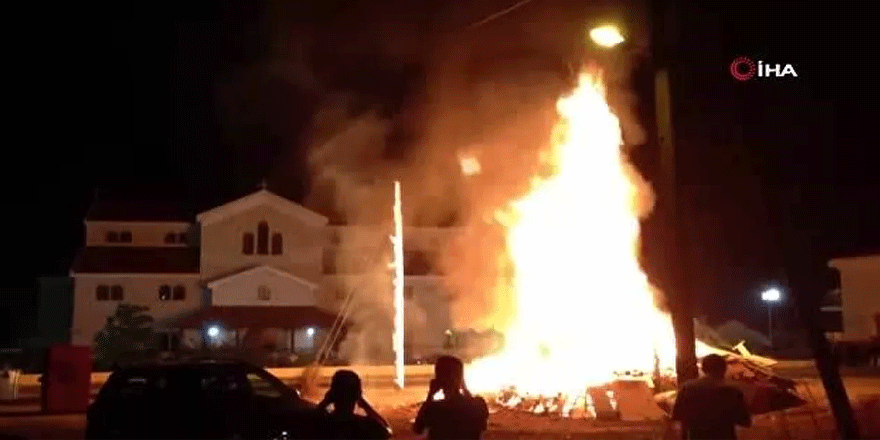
<point x="291" y="317"/>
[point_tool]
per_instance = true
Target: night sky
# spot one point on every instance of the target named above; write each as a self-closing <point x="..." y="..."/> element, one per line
<point x="125" y="97"/>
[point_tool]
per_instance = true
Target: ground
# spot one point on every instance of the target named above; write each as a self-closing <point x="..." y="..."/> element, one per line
<point x="809" y="422"/>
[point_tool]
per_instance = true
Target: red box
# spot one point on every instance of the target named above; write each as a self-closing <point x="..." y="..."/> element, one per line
<point x="67" y="379"/>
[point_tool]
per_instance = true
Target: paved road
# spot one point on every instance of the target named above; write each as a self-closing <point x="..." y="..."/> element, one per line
<point x="398" y="408"/>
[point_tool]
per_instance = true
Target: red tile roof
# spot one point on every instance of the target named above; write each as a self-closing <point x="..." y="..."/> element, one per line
<point x="260" y="317"/>
<point x="114" y="259"/>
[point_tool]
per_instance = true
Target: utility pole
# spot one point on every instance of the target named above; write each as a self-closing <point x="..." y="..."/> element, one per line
<point x="805" y="268"/>
<point x="663" y="41"/>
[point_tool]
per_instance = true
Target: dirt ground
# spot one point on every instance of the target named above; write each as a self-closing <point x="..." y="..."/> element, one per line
<point x="813" y="421"/>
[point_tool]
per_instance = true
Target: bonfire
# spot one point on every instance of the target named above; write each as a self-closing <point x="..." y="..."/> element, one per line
<point x="585" y="326"/>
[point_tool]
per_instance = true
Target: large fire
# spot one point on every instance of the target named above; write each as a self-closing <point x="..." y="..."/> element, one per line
<point x="583" y="309"/>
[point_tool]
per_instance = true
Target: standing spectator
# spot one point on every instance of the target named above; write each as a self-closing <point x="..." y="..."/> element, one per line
<point x="709" y="408"/>
<point x="345" y="394"/>
<point x="459" y="415"/>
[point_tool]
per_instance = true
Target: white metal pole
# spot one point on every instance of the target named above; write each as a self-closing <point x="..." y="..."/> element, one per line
<point x="398" y="281"/>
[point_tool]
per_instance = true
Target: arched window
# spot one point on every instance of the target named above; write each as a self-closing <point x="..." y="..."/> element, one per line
<point x="263" y="238"/>
<point x="182" y="238"/>
<point x="102" y="293"/>
<point x="179" y="293"/>
<point x="125" y="236"/>
<point x="164" y="292"/>
<point x="277" y="244"/>
<point x="247" y="244"/>
<point x="116" y="293"/>
<point x="112" y="237"/>
<point x="170" y="238"/>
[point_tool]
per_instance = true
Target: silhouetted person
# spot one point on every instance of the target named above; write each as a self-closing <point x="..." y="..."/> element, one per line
<point x="708" y="408"/>
<point x="459" y="415"/>
<point x="345" y="394"/>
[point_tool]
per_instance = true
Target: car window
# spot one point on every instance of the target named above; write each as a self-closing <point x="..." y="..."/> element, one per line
<point x="134" y="384"/>
<point x="221" y="383"/>
<point x="262" y="385"/>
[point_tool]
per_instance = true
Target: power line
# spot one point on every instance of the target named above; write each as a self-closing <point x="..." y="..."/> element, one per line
<point x="499" y="14"/>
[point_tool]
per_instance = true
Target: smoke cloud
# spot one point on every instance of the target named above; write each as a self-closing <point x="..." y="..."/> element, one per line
<point x="489" y="95"/>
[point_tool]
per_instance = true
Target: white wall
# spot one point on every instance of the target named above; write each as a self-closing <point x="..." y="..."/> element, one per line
<point x="860" y="295"/>
<point x="244" y="290"/>
<point x="90" y="315"/>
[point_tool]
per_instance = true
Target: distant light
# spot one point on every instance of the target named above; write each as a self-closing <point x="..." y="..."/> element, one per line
<point x="606" y="36"/>
<point x="470" y="165"/>
<point x="771" y="295"/>
<point x="310" y="332"/>
<point x="213" y="331"/>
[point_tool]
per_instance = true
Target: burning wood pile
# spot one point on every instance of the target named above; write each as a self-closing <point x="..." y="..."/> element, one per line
<point x="634" y="397"/>
<point x="628" y="400"/>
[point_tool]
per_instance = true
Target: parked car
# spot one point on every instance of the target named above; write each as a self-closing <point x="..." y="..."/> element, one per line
<point x="198" y="400"/>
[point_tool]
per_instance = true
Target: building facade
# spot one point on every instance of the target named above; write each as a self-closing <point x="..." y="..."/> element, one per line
<point x="856" y="298"/>
<point x="257" y="271"/>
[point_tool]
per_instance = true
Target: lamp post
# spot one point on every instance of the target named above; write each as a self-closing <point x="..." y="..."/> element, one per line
<point x="609" y="36"/>
<point x="770" y="296"/>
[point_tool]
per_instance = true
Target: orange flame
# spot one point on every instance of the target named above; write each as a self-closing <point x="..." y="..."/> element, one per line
<point x="583" y="308"/>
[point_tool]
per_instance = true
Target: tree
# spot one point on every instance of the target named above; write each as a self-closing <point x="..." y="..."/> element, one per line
<point x="128" y="331"/>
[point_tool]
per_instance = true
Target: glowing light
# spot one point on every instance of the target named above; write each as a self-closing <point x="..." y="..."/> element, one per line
<point x="213" y="332"/>
<point x="310" y="332"/>
<point x="470" y="165"/>
<point x="771" y="295"/>
<point x="606" y="36"/>
<point x="583" y="309"/>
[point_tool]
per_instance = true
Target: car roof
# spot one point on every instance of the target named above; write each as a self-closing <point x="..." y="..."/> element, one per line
<point x="191" y="362"/>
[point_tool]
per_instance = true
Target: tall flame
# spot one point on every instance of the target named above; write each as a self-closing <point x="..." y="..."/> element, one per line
<point x="583" y="308"/>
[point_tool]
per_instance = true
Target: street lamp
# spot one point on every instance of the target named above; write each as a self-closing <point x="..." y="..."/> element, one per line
<point x="606" y="36"/>
<point x="770" y="296"/>
<point x="213" y="332"/>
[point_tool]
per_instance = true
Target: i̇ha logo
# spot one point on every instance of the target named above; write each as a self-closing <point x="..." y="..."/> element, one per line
<point x="744" y="69"/>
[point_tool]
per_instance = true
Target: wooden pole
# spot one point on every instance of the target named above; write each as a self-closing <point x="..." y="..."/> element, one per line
<point x="663" y="42"/>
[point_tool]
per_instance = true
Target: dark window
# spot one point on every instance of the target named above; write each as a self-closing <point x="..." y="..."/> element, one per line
<point x="263" y="238"/>
<point x="112" y="237"/>
<point x="169" y="341"/>
<point x="247" y="244"/>
<point x="102" y="293"/>
<point x="408" y="292"/>
<point x="277" y="244"/>
<point x="832" y="299"/>
<point x="164" y="292"/>
<point x="116" y="293"/>
<point x="832" y="321"/>
<point x="181" y="238"/>
<point x="418" y="263"/>
<point x="125" y="236"/>
<point x="329" y="262"/>
<point x="179" y="292"/>
<point x="170" y="238"/>
<point x="262" y="385"/>
<point x="263" y="293"/>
